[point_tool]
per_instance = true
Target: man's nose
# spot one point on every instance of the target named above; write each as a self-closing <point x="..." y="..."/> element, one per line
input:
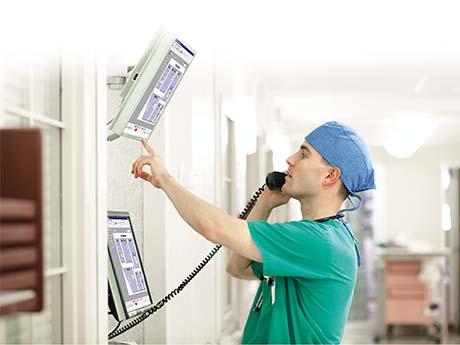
<point x="290" y="160"/>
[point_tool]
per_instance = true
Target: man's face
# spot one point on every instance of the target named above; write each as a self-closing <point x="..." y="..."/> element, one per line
<point x="305" y="173"/>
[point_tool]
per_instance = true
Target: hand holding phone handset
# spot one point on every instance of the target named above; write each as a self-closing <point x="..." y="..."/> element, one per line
<point x="272" y="195"/>
<point x="274" y="181"/>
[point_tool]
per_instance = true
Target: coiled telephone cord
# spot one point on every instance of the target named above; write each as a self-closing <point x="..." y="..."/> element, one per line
<point x="243" y="215"/>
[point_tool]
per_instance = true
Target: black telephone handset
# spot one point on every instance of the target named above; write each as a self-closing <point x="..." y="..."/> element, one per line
<point x="275" y="180"/>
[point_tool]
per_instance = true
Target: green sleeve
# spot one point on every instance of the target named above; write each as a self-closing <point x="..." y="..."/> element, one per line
<point x="293" y="249"/>
<point x="258" y="269"/>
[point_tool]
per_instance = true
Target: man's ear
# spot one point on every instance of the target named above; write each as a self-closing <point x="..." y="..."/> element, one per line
<point x="333" y="176"/>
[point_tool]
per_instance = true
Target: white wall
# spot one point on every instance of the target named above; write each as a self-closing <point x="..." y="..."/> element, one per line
<point x="411" y="197"/>
<point x="124" y="193"/>
<point x="191" y="160"/>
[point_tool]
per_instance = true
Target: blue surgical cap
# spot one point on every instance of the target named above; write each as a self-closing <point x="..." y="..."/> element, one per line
<point x="343" y="148"/>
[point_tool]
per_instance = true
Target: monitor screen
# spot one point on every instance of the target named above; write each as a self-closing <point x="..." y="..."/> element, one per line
<point x="159" y="92"/>
<point x="127" y="266"/>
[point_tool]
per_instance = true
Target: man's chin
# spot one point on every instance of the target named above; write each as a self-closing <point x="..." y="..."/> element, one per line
<point x="288" y="192"/>
<point x="285" y="190"/>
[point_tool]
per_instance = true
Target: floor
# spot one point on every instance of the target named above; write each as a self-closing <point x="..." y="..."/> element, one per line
<point x="362" y="332"/>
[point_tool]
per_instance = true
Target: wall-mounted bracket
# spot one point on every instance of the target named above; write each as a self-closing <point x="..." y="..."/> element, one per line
<point x="116" y="82"/>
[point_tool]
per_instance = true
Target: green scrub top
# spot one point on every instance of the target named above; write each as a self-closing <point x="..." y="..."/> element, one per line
<point x="313" y="267"/>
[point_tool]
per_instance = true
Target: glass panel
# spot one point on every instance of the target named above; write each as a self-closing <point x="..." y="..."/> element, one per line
<point x="25" y="84"/>
<point x="16" y="329"/>
<point x="51" y="151"/>
<point x="44" y="327"/>
<point x="8" y="121"/>
<point x="47" y="325"/>
<point x="45" y="82"/>
<point x="33" y="85"/>
<point x="15" y="84"/>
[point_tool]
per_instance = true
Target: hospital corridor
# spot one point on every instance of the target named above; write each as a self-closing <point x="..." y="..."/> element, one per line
<point x="229" y="172"/>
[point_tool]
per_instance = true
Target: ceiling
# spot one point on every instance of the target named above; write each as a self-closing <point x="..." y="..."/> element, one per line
<point x="368" y="64"/>
<point x="371" y="65"/>
<point x="372" y="99"/>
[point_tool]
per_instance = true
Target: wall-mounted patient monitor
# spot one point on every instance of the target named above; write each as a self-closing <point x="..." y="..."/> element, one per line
<point x="150" y="86"/>
<point x="129" y="294"/>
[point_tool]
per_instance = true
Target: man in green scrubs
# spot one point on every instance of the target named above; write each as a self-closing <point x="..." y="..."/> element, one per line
<point x="310" y="265"/>
<point x="307" y="268"/>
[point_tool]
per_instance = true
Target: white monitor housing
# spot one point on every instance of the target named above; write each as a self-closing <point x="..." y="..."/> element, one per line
<point x="150" y="86"/>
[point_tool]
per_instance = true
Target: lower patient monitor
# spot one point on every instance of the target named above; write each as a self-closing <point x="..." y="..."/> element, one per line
<point x="129" y="293"/>
<point x="150" y="86"/>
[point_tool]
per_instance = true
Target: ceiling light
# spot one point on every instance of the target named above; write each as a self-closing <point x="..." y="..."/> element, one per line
<point x="408" y="134"/>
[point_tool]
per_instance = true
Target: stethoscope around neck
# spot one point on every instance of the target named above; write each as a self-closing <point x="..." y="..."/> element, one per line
<point x="338" y="216"/>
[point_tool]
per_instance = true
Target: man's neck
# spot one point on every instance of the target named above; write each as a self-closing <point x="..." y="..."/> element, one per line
<point x="316" y="208"/>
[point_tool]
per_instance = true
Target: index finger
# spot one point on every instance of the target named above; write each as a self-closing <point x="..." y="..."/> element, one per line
<point x="148" y="148"/>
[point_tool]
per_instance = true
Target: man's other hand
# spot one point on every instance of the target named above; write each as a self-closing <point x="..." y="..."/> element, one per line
<point x="273" y="198"/>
